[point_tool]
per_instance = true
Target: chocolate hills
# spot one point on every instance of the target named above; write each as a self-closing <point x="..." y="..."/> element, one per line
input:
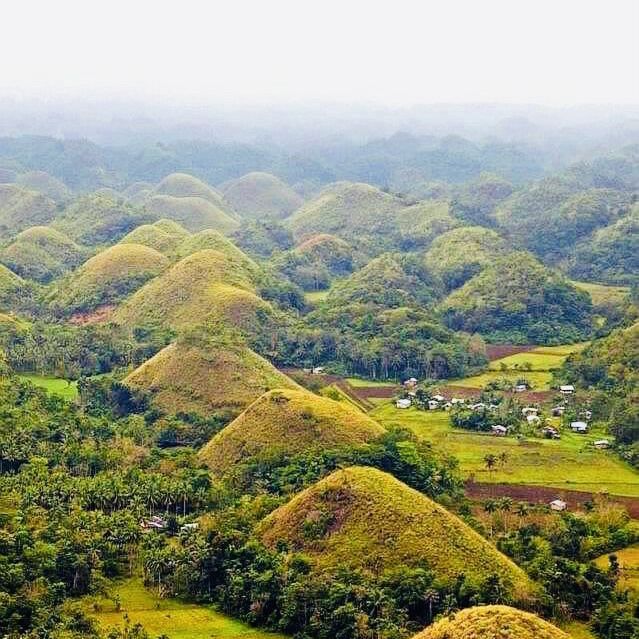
<point x="366" y="519"/>
<point x="492" y="622"/>
<point x="21" y="208"/>
<point x="193" y="212"/>
<point x="287" y="422"/>
<point x="185" y="185"/>
<point x="163" y="236"/>
<point x="41" y="253"/>
<point x="517" y="299"/>
<point x="108" y="277"/>
<point x="258" y="195"/>
<point x="42" y="182"/>
<point x="204" y="375"/>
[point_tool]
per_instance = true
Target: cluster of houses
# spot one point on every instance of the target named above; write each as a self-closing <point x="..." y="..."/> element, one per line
<point x="160" y="523"/>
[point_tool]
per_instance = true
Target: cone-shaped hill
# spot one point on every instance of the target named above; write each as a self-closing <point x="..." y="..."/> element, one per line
<point x="288" y="422"/>
<point x="193" y="376"/>
<point x="185" y="185"/>
<point x="108" y="277"/>
<point x="194" y="213"/>
<point x="163" y="236"/>
<point x="14" y="291"/>
<point x="44" y="183"/>
<point x="349" y="211"/>
<point x="517" y="299"/>
<point x="492" y="622"/>
<point x="258" y="195"/>
<point x="41" y="253"/>
<point x="366" y="519"/>
<point x="21" y="208"/>
<point x="205" y="284"/>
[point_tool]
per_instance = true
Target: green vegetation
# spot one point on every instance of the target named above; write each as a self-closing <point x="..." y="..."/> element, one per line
<point x="41" y="253"/>
<point x="205" y="374"/>
<point x="258" y="195"/>
<point x="517" y="300"/>
<point x="42" y="182"/>
<point x="490" y="622"/>
<point x="65" y="388"/>
<point x="421" y="223"/>
<point x="96" y="219"/>
<point x="163" y="236"/>
<point x="285" y="423"/>
<point x="461" y="253"/>
<point x="108" y="277"/>
<point x="361" y="517"/>
<point x="137" y="604"/>
<point x="194" y="213"/>
<point x="601" y="294"/>
<point x="21" y="208"/>
<point x="185" y="185"/>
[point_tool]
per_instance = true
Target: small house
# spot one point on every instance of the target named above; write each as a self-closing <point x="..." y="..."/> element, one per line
<point x="521" y="388"/>
<point x="403" y="403"/>
<point x="550" y="433"/>
<point x="567" y="389"/>
<point x="479" y="406"/>
<point x="601" y="444"/>
<point x="558" y="505"/>
<point x="579" y="427"/>
<point x="447" y="406"/>
<point x="499" y="430"/>
<point x="411" y="383"/>
<point x="154" y="523"/>
<point x="457" y="401"/>
<point x="533" y="419"/>
<point x="189" y="527"/>
<point x="558" y="411"/>
<point x="433" y="404"/>
<point x="439" y="398"/>
<point x="529" y="410"/>
<point x="586" y="414"/>
<point x="318" y="370"/>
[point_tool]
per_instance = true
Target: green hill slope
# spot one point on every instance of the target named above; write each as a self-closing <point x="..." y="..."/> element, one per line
<point x="462" y="252"/>
<point x="492" y="622"/>
<point x="517" y="299"/>
<point x="108" y="277"/>
<point x="185" y="185"/>
<point x="258" y="195"/>
<point x="42" y="182"/>
<point x="163" y="236"/>
<point x="15" y="293"/>
<point x="203" y="377"/>
<point x="41" y="253"/>
<point x="193" y="212"/>
<point x="421" y="223"/>
<point x="287" y="422"/>
<point x="352" y="212"/>
<point x="100" y="219"/>
<point x="203" y="284"/>
<point x="21" y="208"/>
<point x="364" y="518"/>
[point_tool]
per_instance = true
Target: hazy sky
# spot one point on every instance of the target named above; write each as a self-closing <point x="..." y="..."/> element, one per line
<point x="396" y="52"/>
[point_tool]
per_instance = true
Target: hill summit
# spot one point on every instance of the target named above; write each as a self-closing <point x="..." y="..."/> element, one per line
<point x="492" y="622"/>
<point x="366" y="519"/>
<point x="288" y="422"/>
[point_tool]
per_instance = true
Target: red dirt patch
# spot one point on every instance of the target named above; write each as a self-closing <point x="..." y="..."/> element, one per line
<point x="497" y="351"/>
<point x="100" y="314"/>
<point x="544" y="495"/>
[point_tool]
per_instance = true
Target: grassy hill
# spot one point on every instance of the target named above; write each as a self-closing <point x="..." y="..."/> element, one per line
<point x="44" y="183"/>
<point x="258" y="195"/>
<point x="163" y="236"/>
<point x="14" y="291"/>
<point x="41" y="253"/>
<point x="350" y="211"/>
<point x="185" y="185"/>
<point x="206" y="376"/>
<point x="462" y="252"/>
<point x="421" y="223"/>
<point x="193" y="212"/>
<point x="202" y="284"/>
<point x="21" y="208"/>
<point x="492" y="622"/>
<point x="100" y="219"/>
<point x="108" y="277"/>
<point x="287" y="422"/>
<point x="364" y="518"/>
<point x="516" y="299"/>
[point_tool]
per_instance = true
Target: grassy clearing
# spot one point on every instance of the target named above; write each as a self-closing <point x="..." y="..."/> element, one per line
<point x="313" y="297"/>
<point x="540" y="380"/>
<point x="177" y="619"/>
<point x="55" y="385"/>
<point x="629" y="563"/>
<point x="566" y="463"/>
<point x="600" y="293"/>
<point x="356" y="382"/>
<point x="578" y="630"/>
<point x="537" y="361"/>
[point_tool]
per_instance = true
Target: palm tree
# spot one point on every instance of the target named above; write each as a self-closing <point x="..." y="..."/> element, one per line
<point x="491" y="461"/>
<point x="490" y="506"/>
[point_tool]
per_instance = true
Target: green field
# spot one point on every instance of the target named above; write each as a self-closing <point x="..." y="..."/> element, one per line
<point x="176" y="619"/>
<point x="54" y="385"/>
<point x="578" y="630"/>
<point x="313" y="297"/>
<point x="566" y="463"/>
<point x="536" y="360"/>
<point x="356" y="382"/>
<point x="540" y="380"/>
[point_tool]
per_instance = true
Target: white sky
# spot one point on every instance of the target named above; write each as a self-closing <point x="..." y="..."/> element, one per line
<point x="398" y="52"/>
